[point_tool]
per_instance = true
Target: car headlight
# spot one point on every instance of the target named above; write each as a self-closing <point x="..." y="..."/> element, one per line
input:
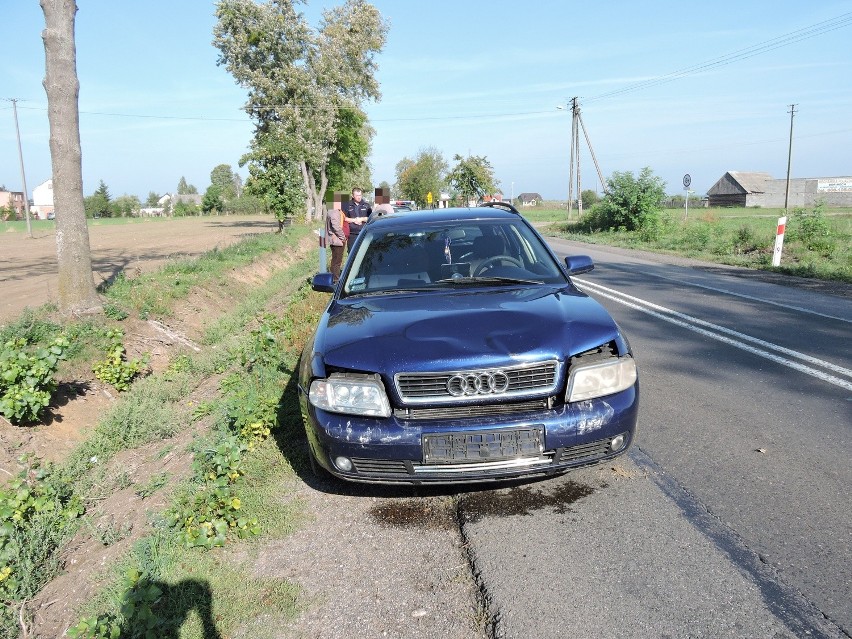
<point x="597" y="380"/>
<point x="351" y="395"/>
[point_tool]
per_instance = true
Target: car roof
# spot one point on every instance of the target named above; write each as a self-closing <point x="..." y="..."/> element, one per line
<point x="430" y="216"/>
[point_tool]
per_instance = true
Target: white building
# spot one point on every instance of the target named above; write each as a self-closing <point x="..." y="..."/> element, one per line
<point x="43" y="200"/>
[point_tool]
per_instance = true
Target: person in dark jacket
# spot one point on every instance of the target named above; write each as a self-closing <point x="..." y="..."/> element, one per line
<point x="357" y="211"/>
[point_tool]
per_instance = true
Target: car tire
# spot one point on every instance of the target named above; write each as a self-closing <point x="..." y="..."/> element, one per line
<point x="316" y="468"/>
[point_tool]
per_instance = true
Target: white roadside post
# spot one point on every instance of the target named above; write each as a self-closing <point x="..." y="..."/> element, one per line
<point x="687" y="180"/>
<point x="779" y="241"/>
<point x="323" y="263"/>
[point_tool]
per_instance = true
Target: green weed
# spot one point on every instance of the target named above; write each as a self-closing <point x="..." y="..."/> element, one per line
<point x="27" y="378"/>
<point x="116" y="369"/>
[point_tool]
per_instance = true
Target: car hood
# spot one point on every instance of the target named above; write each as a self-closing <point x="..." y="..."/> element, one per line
<point x="437" y="331"/>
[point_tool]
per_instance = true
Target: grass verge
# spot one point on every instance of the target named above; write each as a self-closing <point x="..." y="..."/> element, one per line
<point x="159" y="585"/>
<point x="816" y="244"/>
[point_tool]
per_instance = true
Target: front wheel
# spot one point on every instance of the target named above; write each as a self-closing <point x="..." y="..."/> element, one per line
<point x="318" y="469"/>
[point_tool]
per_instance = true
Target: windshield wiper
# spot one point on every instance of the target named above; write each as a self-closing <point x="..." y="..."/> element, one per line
<point x="386" y="291"/>
<point x="474" y="281"/>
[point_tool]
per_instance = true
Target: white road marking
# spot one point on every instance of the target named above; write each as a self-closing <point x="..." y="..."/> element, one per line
<point x="753" y="298"/>
<point x="719" y="333"/>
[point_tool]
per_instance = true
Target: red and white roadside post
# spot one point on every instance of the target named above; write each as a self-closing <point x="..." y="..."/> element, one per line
<point x="779" y="241"/>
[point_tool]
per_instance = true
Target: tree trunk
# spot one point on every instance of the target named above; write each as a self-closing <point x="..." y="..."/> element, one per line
<point x="310" y="199"/>
<point x="315" y="200"/>
<point x="77" y="292"/>
<point x="323" y="186"/>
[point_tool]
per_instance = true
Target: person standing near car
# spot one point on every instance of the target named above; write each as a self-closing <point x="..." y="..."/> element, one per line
<point x="357" y="211"/>
<point x="336" y="231"/>
<point x="382" y="204"/>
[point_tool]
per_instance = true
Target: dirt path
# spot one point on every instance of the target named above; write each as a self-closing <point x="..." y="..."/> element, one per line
<point x="28" y="265"/>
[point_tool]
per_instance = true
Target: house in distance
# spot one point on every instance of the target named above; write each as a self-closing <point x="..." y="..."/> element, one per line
<point x="745" y="188"/>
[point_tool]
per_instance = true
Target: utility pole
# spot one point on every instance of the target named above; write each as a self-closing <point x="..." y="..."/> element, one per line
<point x="14" y="102"/>
<point x="573" y="150"/>
<point x="792" y="113"/>
<point x="576" y="125"/>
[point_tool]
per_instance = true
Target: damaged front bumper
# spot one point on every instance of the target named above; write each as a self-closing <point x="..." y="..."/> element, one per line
<point x="472" y="449"/>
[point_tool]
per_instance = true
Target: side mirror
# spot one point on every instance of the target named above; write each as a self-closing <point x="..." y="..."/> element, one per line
<point x="578" y="264"/>
<point x="323" y="283"/>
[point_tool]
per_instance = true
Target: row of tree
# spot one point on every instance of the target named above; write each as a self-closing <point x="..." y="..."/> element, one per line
<point x="224" y="195"/>
<point x="428" y="172"/>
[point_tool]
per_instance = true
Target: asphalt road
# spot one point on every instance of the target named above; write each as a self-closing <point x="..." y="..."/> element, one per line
<point x="730" y="517"/>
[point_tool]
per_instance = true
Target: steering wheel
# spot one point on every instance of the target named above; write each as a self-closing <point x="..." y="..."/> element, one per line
<point x="493" y="260"/>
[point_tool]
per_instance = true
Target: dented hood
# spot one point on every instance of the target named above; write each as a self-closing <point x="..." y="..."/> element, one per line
<point x="440" y="330"/>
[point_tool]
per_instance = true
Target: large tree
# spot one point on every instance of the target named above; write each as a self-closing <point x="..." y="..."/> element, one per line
<point x="274" y="178"/>
<point x="347" y="164"/>
<point x="125" y="206"/>
<point x="99" y="203"/>
<point x="425" y="174"/>
<point x="153" y="200"/>
<point x="223" y="178"/>
<point x="185" y="188"/>
<point x="472" y="177"/>
<point x="299" y="79"/>
<point x="213" y="201"/>
<point x="76" y="293"/>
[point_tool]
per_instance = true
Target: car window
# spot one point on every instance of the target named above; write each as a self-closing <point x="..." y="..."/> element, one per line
<point x="421" y="258"/>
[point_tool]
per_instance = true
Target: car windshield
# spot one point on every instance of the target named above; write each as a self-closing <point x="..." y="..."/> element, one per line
<point x="448" y="254"/>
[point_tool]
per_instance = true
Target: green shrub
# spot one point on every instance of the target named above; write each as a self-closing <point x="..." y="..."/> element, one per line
<point x="697" y="236"/>
<point x="31" y="327"/>
<point x="206" y="517"/>
<point x="631" y="203"/>
<point x="138" y="600"/>
<point x="115" y="312"/>
<point x="116" y="369"/>
<point x="27" y="378"/>
<point x="37" y="511"/>
<point x="811" y="228"/>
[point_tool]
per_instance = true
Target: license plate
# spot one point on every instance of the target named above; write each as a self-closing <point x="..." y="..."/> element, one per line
<point x="482" y="445"/>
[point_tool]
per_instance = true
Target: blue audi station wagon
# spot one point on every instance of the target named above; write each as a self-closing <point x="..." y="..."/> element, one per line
<point x="455" y="348"/>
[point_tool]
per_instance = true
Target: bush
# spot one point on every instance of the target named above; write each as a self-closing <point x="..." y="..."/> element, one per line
<point x="697" y="236"/>
<point x="813" y="230"/>
<point x="26" y="378"/>
<point x="115" y="369"/>
<point x="632" y="204"/>
<point x="37" y="511"/>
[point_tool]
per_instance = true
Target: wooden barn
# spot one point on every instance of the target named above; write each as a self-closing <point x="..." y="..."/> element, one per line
<point x="751" y="188"/>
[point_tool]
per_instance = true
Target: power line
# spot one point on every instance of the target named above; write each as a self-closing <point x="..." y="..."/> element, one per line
<point x="778" y="42"/>
<point x="804" y="33"/>
<point x="149" y="117"/>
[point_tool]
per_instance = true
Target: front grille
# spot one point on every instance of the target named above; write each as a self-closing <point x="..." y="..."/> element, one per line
<point x="472" y="410"/>
<point x="522" y="381"/>
<point x="592" y="450"/>
<point x="380" y="466"/>
<point x="571" y="456"/>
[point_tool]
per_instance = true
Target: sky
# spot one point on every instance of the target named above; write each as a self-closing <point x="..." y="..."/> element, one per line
<point x="678" y="87"/>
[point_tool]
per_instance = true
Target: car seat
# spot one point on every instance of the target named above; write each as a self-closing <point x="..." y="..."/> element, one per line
<point x="402" y="266"/>
<point x="486" y="246"/>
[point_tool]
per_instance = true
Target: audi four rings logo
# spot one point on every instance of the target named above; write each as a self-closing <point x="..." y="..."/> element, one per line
<point x="484" y="383"/>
